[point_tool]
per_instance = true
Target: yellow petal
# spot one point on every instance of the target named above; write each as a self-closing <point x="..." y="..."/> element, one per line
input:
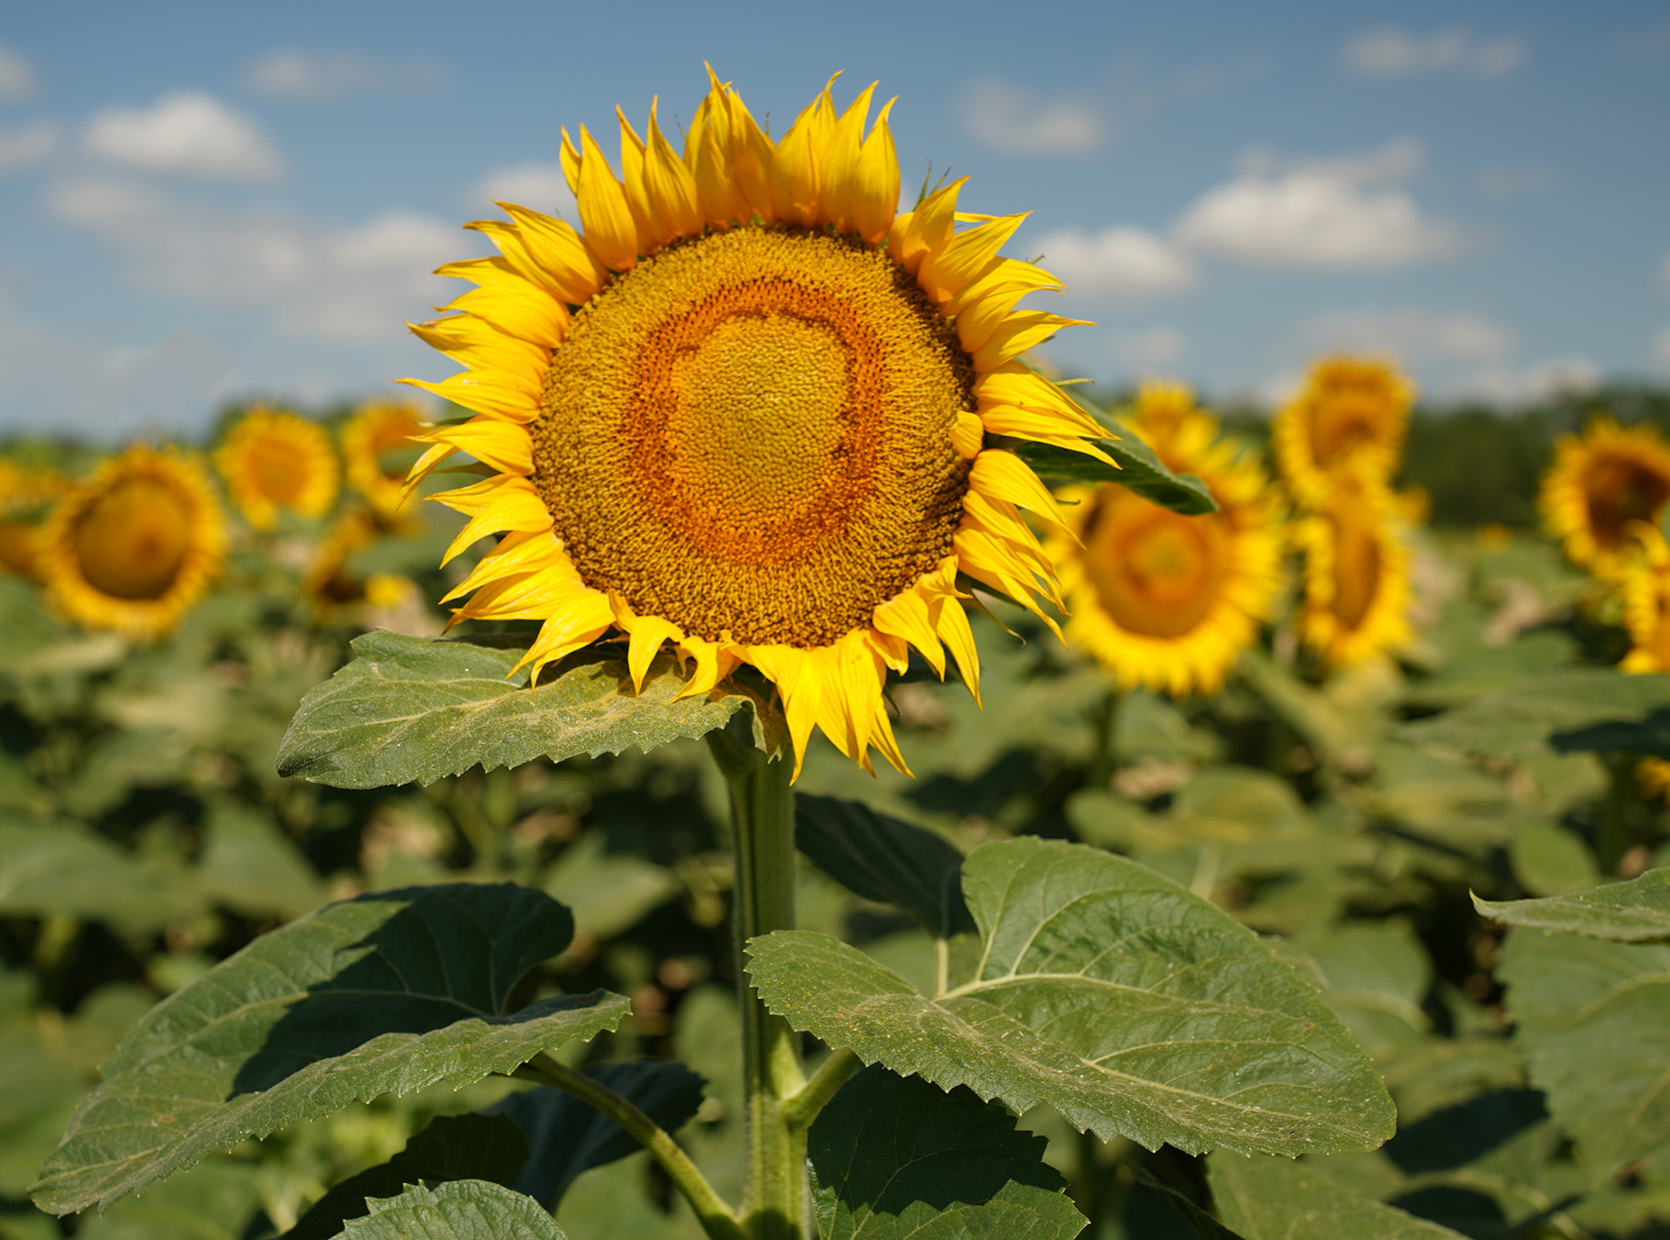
<point x="521" y="309"/>
<point x="519" y="552"/>
<point x="503" y="445"/>
<point x="796" y="171"/>
<point x="965" y="258"/>
<point x="968" y="435"/>
<point x="611" y="233"/>
<point x="646" y="634"/>
<point x="751" y="158"/>
<point x="672" y="188"/>
<point x="1003" y="475"/>
<point x="714" y="662"/>
<point x="560" y="253"/>
<point x="479" y="345"/>
<point x="951" y="623"/>
<point x="570" y="165"/>
<point x="841" y="161"/>
<point x="906" y="616"/>
<point x="652" y="229"/>
<point x="509" y="398"/>
<point x="1023" y="330"/>
<point x="917" y="233"/>
<point x="494" y="505"/>
<point x="583" y="619"/>
<point x="875" y="185"/>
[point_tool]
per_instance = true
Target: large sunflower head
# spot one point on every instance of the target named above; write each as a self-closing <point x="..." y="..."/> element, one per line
<point x="1356" y="576"/>
<point x="1350" y="416"/>
<point x="377" y="448"/>
<point x="1598" y="486"/>
<point x="273" y="459"/>
<point x="27" y="493"/>
<point x="748" y="409"/>
<point x="134" y="546"/>
<point x="1166" y="601"/>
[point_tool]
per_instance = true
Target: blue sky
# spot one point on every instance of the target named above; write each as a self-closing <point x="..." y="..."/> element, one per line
<point x="206" y="202"/>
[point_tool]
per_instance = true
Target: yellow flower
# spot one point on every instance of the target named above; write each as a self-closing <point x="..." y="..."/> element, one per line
<point x="274" y="459"/>
<point x="378" y="431"/>
<point x="26" y="494"/>
<point x="1351" y="415"/>
<point x="1598" y="485"/>
<point x="1356" y="576"/>
<point x="134" y="546"/>
<point x="1645" y="588"/>
<point x="1653" y="776"/>
<point x="1165" y="601"/>
<point x="746" y="411"/>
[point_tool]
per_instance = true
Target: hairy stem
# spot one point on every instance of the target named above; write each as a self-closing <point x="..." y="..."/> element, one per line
<point x="776" y="1198"/>
<point x="717" y="1218"/>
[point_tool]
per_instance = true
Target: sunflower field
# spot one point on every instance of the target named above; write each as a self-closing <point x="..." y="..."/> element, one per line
<point x="813" y="773"/>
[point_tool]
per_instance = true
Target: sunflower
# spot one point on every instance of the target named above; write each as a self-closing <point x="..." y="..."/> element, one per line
<point x="274" y="459"/>
<point x="746" y="412"/>
<point x="1165" y="601"/>
<point x="1356" y="575"/>
<point x="1645" y="587"/>
<point x="134" y="546"/>
<point x="1351" y="415"/>
<point x="26" y="494"/>
<point x="379" y="431"/>
<point x="1598" y="485"/>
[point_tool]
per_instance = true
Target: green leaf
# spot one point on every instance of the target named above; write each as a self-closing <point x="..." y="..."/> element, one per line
<point x="1593" y="1021"/>
<point x="1139" y="470"/>
<point x="63" y="869"/>
<point x="1632" y="912"/>
<point x="420" y="708"/>
<point x="456" y="1210"/>
<point x="886" y="860"/>
<point x="386" y="993"/>
<point x="1524" y="721"/>
<point x="608" y="892"/>
<point x="452" y="1147"/>
<point x="567" y="1137"/>
<point x="1648" y="735"/>
<point x="250" y="865"/>
<point x="893" y="1157"/>
<point x="1549" y="860"/>
<point x="1131" y="1006"/>
<point x="1273" y="1199"/>
<point x="220" y="1200"/>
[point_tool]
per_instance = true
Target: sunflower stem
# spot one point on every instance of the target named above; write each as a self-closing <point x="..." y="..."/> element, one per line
<point x="776" y="1197"/>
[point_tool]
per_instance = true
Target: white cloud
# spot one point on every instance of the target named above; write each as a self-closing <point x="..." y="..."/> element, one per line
<point x="1011" y="119"/>
<point x="540" y="186"/>
<point x="1412" y="336"/>
<point x="1146" y="352"/>
<point x="1345" y="212"/>
<point x="1529" y="385"/>
<point x="309" y="278"/>
<point x="17" y="79"/>
<point x="20" y="148"/>
<point x="1388" y="52"/>
<point x="1127" y="263"/>
<point x="185" y="132"/>
<point x="299" y="73"/>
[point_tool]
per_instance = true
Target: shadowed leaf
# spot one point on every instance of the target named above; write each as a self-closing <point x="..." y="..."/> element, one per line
<point x="1140" y="470"/>
<point x="886" y="860"/>
<point x="386" y="993"/>
<point x="894" y="1157"/>
<point x="1273" y="1199"/>
<point x="456" y="1210"/>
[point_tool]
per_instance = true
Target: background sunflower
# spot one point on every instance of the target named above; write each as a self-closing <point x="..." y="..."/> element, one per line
<point x="1356" y="596"/>
<point x="1350" y="417"/>
<point x="1599" y="484"/>
<point x="1167" y="601"/>
<point x="134" y="546"/>
<point x="275" y="459"/>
